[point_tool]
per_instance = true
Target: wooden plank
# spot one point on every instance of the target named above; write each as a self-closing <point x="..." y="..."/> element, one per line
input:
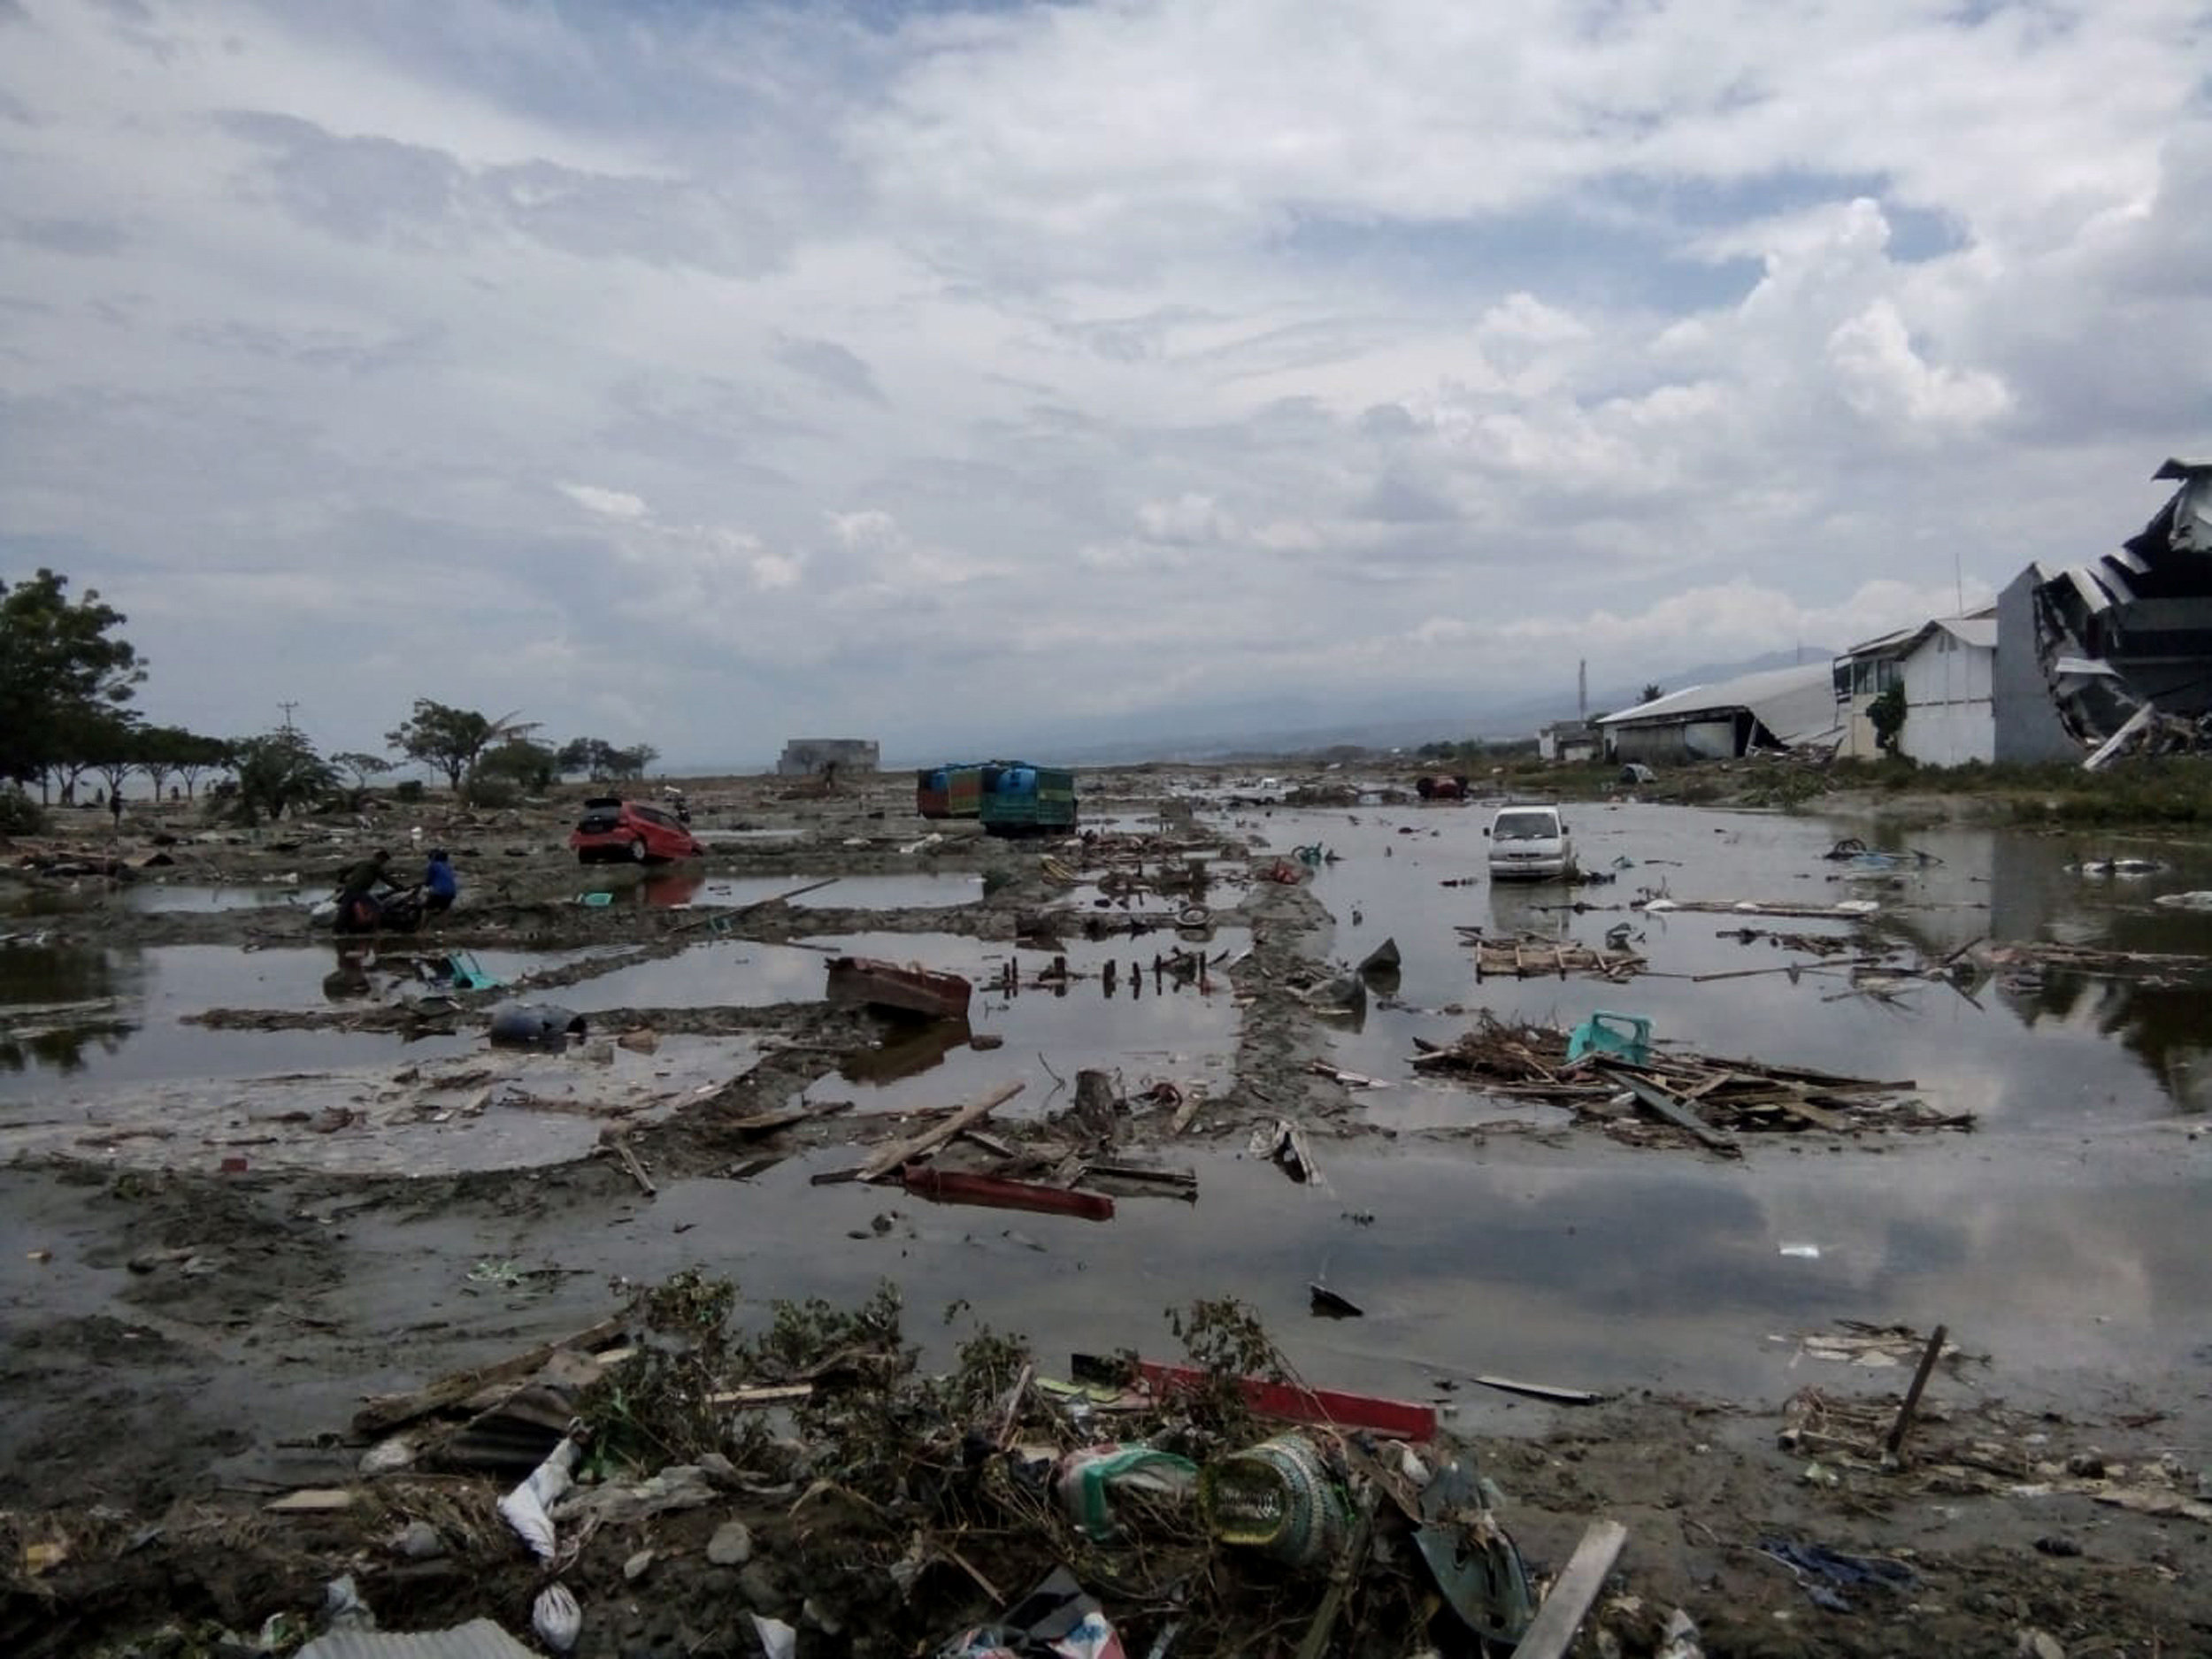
<point x="1664" y="1105"/>
<point x="383" y="1412"/>
<point x="1895" y="1443"/>
<point x="1552" y="1631"/>
<point x="756" y="1399"/>
<point x="900" y="1152"/>
<point x="1542" y="1391"/>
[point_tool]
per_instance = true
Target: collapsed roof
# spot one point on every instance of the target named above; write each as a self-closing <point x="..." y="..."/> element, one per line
<point x="1789" y="707"/>
<point x="2132" y="630"/>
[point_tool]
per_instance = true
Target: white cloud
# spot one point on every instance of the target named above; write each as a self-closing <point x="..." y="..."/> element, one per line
<point x="609" y="504"/>
<point x="1393" y="352"/>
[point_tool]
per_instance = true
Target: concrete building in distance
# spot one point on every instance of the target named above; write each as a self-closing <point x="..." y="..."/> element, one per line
<point x="1780" y="710"/>
<point x="811" y="757"/>
<point x="1567" y="742"/>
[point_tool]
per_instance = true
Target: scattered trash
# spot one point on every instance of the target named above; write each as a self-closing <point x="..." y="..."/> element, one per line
<point x="1280" y="1496"/>
<point x="1056" y="1618"/>
<point x="1284" y="1143"/>
<point x="1825" y="1573"/>
<point x="535" y="1026"/>
<point x="557" y="1618"/>
<point x="479" y="1639"/>
<point x="1090" y="1480"/>
<point x="1474" y="1562"/>
<point x="525" y="1508"/>
<point x="1332" y="1305"/>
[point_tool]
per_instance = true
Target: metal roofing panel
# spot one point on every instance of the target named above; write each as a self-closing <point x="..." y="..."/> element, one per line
<point x="1979" y="631"/>
<point x="479" y="1639"/>
<point x="1790" y="702"/>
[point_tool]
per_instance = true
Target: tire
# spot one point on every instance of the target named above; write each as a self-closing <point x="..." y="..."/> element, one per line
<point x="637" y="851"/>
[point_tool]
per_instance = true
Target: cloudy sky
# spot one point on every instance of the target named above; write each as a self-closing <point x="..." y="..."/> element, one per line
<point x="714" y="373"/>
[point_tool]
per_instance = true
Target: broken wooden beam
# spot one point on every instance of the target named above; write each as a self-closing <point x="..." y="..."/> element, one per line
<point x="1552" y="1631"/>
<point x="381" y="1413"/>
<point x="1665" y="1107"/>
<point x="900" y="1153"/>
<point x="1895" y="1443"/>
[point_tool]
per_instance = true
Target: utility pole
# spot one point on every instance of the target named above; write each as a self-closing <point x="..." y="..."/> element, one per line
<point x="1582" y="689"/>
<point x="288" y="708"/>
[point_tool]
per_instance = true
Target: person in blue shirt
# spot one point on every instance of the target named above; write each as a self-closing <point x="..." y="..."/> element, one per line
<point x="439" y="886"/>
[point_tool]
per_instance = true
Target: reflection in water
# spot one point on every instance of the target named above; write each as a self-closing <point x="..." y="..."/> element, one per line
<point x="2050" y="1049"/>
<point x="909" y="1048"/>
<point x="58" y="1000"/>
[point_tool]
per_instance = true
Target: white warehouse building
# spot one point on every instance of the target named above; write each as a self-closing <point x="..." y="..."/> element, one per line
<point x="1949" y="675"/>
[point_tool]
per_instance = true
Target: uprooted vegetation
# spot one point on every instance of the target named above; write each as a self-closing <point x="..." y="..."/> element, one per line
<point x="805" y="1471"/>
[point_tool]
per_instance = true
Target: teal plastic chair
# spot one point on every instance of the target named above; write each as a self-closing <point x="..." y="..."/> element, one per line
<point x="1618" y="1036"/>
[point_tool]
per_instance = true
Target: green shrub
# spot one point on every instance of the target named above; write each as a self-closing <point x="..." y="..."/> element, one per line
<point x="20" y="815"/>
<point x="408" y="790"/>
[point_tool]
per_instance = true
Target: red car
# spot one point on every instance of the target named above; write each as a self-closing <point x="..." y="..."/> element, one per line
<point x="613" y="828"/>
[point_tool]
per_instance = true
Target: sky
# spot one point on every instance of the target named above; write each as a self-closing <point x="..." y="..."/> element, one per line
<point x="707" y="375"/>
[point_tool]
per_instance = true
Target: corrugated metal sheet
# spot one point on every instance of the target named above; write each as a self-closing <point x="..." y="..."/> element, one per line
<point x="479" y="1639"/>
<point x="1796" y="704"/>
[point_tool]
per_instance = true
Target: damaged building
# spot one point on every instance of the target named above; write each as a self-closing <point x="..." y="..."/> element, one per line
<point x="835" y="757"/>
<point x="1781" y="709"/>
<point x="2118" y="651"/>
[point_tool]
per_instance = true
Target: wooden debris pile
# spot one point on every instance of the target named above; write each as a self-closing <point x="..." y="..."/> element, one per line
<point x="1705" y="1097"/>
<point x="1529" y="954"/>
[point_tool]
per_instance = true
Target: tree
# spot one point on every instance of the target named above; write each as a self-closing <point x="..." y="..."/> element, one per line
<point x="600" y="760"/>
<point x="360" y="767"/>
<point x="60" y="664"/>
<point x="194" y="754"/>
<point x="521" y="761"/>
<point x="1886" y="714"/>
<point x="453" y="739"/>
<point x="162" y="750"/>
<point x="278" y="772"/>
<point x="586" y="755"/>
<point x="109" y="745"/>
<point x="1652" y="692"/>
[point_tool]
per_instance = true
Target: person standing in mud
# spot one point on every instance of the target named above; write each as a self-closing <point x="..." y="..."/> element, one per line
<point x="439" y="885"/>
<point x="359" y="910"/>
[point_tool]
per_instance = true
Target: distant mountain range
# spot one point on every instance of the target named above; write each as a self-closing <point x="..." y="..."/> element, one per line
<point x="1298" y="723"/>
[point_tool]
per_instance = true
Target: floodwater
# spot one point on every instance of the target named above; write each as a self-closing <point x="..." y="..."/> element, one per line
<point x="679" y="888"/>
<point x="171" y="896"/>
<point x="1152" y="1026"/>
<point x="76" y="1016"/>
<point x="2051" y="1051"/>
<point x="2063" y="1239"/>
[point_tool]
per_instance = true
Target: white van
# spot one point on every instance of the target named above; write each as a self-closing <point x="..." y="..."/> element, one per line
<point x="1529" y="843"/>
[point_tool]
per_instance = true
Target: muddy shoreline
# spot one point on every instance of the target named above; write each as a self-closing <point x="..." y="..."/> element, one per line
<point x="185" y="1341"/>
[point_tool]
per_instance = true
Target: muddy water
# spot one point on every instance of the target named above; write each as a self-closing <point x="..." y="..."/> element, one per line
<point x="2047" y="1054"/>
<point x="168" y="897"/>
<point x="1153" y="1026"/>
<point x="679" y="888"/>
<point x="118" y="1014"/>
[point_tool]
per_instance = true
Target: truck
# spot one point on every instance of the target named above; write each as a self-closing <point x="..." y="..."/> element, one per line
<point x="1019" y="799"/>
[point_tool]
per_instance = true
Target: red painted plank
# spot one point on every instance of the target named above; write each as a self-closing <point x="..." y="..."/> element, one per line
<point x="1322" y="1407"/>
<point x="955" y="1187"/>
